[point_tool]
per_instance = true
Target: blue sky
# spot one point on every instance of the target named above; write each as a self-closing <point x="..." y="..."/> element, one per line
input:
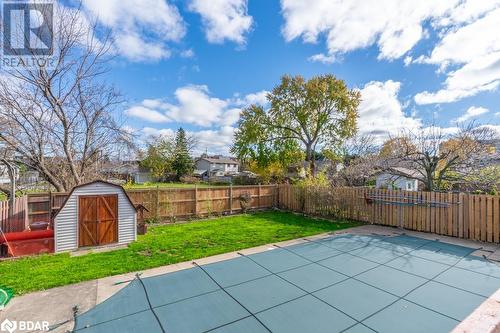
<point x="196" y="63"/>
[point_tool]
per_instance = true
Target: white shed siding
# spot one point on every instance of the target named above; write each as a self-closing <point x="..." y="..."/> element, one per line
<point x="66" y="221"/>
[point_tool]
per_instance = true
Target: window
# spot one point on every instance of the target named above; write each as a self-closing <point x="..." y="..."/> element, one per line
<point x="409" y="186"/>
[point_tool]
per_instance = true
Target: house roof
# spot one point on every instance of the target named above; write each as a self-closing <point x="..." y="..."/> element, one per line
<point x="224" y="160"/>
<point x="401" y="171"/>
<point x="122" y="167"/>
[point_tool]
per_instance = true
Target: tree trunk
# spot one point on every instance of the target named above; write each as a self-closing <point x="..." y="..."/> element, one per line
<point x="429" y="182"/>
<point x="12" y="200"/>
<point x="51" y="179"/>
<point x="310" y="159"/>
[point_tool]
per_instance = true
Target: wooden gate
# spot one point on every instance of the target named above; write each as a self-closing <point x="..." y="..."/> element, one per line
<point x="98" y="220"/>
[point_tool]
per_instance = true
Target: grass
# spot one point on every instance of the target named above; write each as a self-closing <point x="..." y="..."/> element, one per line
<point x="168" y="185"/>
<point x="163" y="245"/>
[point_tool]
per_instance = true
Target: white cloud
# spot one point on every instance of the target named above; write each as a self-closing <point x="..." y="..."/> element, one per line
<point x="467" y="11"/>
<point x="194" y="105"/>
<point x="214" y="141"/>
<point x="187" y="53"/>
<point x="471" y="113"/>
<point x="141" y="28"/>
<point x="259" y="98"/>
<point x="320" y="57"/>
<point x="224" y="19"/>
<point x="480" y="38"/>
<point x="494" y="128"/>
<point x="230" y="117"/>
<point x="150" y="131"/>
<point x="143" y="112"/>
<point x="133" y="47"/>
<point x="479" y="60"/>
<point x="408" y="60"/>
<point x="481" y="74"/>
<point x="380" y="111"/>
<point x="394" y="25"/>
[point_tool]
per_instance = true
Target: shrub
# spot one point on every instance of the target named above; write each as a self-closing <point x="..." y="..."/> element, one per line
<point x="244" y="198"/>
<point x="190" y="180"/>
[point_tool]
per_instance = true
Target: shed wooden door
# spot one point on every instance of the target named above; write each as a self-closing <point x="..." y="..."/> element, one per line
<point x="98" y="220"/>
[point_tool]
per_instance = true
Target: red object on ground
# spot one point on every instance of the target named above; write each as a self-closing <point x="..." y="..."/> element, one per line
<point x="31" y="247"/>
<point x="29" y="242"/>
<point x="26" y="235"/>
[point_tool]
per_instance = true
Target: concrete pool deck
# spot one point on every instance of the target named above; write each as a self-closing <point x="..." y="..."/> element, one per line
<point x="55" y="305"/>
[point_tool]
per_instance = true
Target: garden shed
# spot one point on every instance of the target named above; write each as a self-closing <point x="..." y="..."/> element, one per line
<point x="95" y="214"/>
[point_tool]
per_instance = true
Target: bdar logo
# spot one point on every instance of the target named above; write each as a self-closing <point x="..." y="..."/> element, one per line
<point x="8" y="326"/>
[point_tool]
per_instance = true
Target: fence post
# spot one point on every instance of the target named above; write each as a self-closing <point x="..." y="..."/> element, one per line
<point x="26" y="211"/>
<point x="276" y="197"/>
<point x="231" y="198"/>
<point x="50" y="208"/>
<point x="258" y="198"/>
<point x="157" y="202"/>
<point x="195" y="200"/>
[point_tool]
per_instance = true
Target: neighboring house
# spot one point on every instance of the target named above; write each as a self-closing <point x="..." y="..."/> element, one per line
<point x="200" y="173"/>
<point x="29" y="177"/>
<point x="127" y="170"/>
<point x="398" y="178"/>
<point x="143" y="177"/>
<point x="217" y="166"/>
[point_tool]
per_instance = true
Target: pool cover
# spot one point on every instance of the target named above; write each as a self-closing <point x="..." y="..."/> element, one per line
<point x="346" y="283"/>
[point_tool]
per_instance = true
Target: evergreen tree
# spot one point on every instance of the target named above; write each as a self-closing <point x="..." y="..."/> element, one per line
<point x="183" y="163"/>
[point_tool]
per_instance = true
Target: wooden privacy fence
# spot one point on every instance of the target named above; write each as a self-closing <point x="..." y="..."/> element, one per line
<point x="462" y="215"/>
<point x="16" y="220"/>
<point x="170" y="203"/>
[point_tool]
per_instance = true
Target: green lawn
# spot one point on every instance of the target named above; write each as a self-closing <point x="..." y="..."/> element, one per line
<point x="163" y="245"/>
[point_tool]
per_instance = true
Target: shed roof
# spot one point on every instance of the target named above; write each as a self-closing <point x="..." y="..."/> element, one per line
<point x="90" y="183"/>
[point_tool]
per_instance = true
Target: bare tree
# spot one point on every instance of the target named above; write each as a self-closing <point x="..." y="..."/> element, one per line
<point x="484" y="180"/>
<point x="358" y="172"/>
<point x="360" y="161"/>
<point x="59" y="119"/>
<point x="438" y="157"/>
